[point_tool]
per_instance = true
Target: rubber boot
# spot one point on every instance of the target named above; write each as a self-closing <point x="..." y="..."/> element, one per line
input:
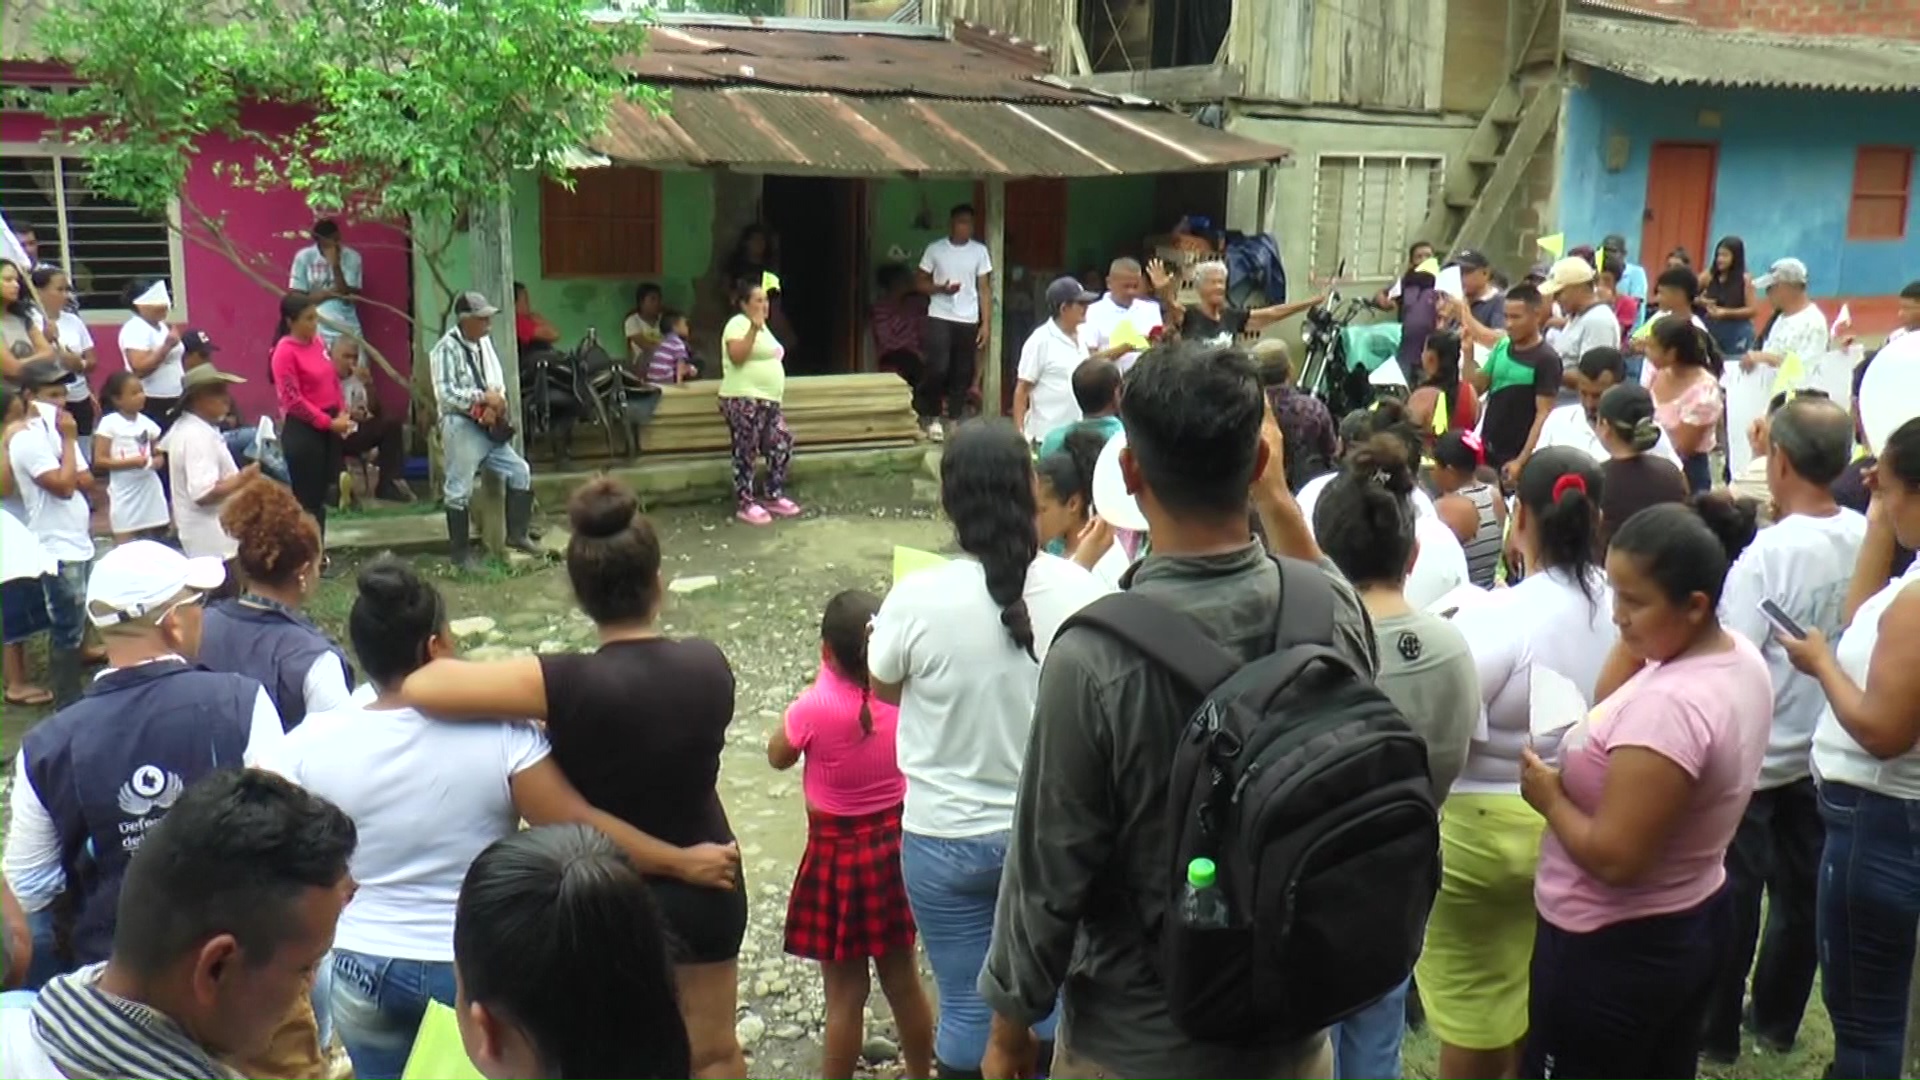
<point x="519" y="517"/>
<point x="460" y="539"/>
<point x="63" y="672"/>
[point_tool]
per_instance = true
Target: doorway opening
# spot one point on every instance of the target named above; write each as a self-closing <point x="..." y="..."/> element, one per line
<point x="821" y="223"/>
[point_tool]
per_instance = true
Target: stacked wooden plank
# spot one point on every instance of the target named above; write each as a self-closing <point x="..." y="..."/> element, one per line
<point x="822" y="411"/>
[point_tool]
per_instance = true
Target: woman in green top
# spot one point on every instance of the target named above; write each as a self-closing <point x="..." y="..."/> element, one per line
<point x="752" y="382"/>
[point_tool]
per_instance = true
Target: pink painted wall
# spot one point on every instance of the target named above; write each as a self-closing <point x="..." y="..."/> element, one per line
<point x="229" y="303"/>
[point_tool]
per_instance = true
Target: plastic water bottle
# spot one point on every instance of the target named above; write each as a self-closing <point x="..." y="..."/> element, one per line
<point x="1204" y="905"/>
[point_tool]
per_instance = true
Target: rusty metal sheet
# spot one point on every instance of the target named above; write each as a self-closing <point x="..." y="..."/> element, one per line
<point x="836" y="134"/>
<point x="1691" y="56"/>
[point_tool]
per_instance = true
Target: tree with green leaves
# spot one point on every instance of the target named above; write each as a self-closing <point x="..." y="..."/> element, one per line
<point x="413" y="113"/>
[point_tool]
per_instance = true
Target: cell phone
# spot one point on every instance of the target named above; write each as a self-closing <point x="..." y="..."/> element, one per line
<point x="1781" y="621"/>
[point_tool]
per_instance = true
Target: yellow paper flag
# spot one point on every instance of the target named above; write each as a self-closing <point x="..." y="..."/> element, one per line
<point x="438" y="1053"/>
<point x="1431" y="266"/>
<point x="770" y="281"/>
<point x="1555" y="245"/>
<point x="1125" y="334"/>
<point x="908" y="561"/>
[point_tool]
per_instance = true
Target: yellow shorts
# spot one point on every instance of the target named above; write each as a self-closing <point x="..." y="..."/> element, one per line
<point x="1473" y="971"/>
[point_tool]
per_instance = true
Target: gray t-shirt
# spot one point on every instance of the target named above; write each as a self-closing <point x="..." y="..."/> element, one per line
<point x="1590" y="329"/>
<point x="1427" y="670"/>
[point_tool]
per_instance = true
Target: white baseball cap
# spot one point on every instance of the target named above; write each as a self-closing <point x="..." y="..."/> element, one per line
<point x="1572" y="270"/>
<point x="134" y="580"/>
<point x="1782" y="272"/>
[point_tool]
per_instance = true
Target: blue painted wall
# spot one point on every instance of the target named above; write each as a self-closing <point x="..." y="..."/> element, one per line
<point x="1785" y="172"/>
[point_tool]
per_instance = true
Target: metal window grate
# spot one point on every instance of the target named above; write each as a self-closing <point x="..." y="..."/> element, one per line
<point x="104" y="245"/>
<point x="1367" y="210"/>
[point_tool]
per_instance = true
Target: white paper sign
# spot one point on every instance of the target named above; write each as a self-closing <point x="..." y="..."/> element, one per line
<point x="1388" y="374"/>
<point x="1448" y="282"/>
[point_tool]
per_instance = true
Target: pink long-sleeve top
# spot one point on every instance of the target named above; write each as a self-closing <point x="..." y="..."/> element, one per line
<point x="849" y="771"/>
<point x="306" y="383"/>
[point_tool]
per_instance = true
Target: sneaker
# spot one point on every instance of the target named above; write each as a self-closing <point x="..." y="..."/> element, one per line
<point x="754" y="514"/>
<point x="783" y="507"/>
<point x="935" y="432"/>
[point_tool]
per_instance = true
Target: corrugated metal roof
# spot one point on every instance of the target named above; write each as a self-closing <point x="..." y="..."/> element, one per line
<point x="775" y="131"/>
<point x="1692" y="56"/>
<point x="846" y="60"/>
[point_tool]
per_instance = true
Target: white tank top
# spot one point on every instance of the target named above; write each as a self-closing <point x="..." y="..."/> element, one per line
<point x="1836" y="756"/>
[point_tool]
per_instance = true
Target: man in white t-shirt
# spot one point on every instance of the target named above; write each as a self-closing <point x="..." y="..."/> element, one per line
<point x="1590" y="323"/>
<point x="331" y="273"/>
<point x="956" y="273"/>
<point x="1794" y="341"/>
<point x="1125" y="315"/>
<point x="1804" y="563"/>
<point x="53" y="479"/>
<point x="1043" y="397"/>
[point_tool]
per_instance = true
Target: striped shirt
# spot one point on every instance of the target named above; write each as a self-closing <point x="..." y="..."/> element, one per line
<point x="454" y="362"/>
<point x="664" y="367"/>
<point x="1483" y="551"/>
<point x="85" y="1031"/>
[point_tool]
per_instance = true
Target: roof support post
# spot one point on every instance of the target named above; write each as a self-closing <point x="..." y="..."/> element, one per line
<point x="990" y="387"/>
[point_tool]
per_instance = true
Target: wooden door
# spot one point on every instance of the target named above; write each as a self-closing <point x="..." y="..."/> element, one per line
<point x="1679" y="202"/>
<point x="1036" y="236"/>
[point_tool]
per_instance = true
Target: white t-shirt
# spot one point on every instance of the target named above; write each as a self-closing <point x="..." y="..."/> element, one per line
<point x="1836" y="756"/>
<point x="1440" y="565"/>
<point x="312" y="273"/>
<point x="1545" y="621"/>
<point x="137" y="501"/>
<point x="1592" y="328"/>
<point x="1804" y="564"/>
<point x="427" y="797"/>
<point x="1567" y="426"/>
<point x="1047" y="362"/>
<point x="965" y="263"/>
<point x="968" y="698"/>
<point x="634" y="327"/>
<point x="74" y="336"/>
<point x="197" y="459"/>
<point x="61" y="524"/>
<point x="1802" y="334"/>
<point x="164" y="382"/>
<point x="1104" y="317"/>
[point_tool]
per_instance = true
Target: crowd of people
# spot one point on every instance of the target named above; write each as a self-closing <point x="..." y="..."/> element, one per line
<point x="1666" y="735"/>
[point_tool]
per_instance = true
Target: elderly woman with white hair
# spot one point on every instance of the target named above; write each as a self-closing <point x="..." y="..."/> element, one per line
<point x="1213" y="319"/>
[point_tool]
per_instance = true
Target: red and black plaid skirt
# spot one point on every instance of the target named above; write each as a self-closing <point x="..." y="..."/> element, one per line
<point x="849" y="901"/>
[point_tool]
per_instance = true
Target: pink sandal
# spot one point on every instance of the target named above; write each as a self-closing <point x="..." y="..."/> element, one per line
<point x="754" y="514"/>
<point x="783" y="507"/>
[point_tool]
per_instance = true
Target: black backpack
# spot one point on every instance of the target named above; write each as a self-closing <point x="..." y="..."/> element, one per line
<point x="1310" y="793"/>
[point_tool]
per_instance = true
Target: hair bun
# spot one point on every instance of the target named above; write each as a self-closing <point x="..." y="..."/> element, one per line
<point x="602" y="508"/>
<point x="1383" y="461"/>
<point x="389" y="583"/>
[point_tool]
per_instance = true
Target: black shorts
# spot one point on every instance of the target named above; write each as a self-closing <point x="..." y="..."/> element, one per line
<point x="706" y="925"/>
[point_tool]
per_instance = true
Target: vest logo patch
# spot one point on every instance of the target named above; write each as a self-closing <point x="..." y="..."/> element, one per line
<point x="151" y="788"/>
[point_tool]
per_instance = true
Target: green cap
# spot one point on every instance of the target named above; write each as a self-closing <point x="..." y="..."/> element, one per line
<point x="1201" y="873"/>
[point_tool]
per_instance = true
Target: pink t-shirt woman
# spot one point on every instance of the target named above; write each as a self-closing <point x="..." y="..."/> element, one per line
<point x="1708" y="714"/>
<point x="849" y="770"/>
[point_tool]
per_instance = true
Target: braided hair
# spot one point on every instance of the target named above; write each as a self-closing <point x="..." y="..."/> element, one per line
<point x="843" y="630"/>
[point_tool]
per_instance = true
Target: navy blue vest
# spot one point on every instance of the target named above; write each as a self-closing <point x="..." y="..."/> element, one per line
<point x="109" y="766"/>
<point x="268" y="642"/>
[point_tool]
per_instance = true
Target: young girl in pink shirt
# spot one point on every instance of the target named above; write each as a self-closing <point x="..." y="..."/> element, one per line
<point x="849" y="903"/>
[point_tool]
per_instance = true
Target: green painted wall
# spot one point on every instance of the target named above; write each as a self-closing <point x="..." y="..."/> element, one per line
<point x="574" y="304"/>
<point x="1108" y="217"/>
<point x="892" y="209"/>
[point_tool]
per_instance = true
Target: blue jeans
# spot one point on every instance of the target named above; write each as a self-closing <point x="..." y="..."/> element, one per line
<point x="1366" y="1045"/>
<point x="66" y="594"/>
<point x="1868" y="911"/>
<point x="465" y="449"/>
<point x="953" y="886"/>
<point x="377" y="1007"/>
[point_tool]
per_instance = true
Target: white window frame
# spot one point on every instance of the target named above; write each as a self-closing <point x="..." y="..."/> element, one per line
<point x="1362" y="159"/>
<point x="176" y="247"/>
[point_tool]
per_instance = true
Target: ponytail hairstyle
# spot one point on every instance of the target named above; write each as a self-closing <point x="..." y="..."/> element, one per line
<point x="1680" y="550"/>
<point x="986" y="489"/>
<point x="843" y="630"/>
<point x="1690" y="345"/>
<point x="1627" y="411"/>
<point x="394" y="621"/>
<point x="1068" y="471"/>
<point x="1445" y="347"/>
<point x="1560" y="490"/>
<point x="292" y="306"/>
<point x="1365" y="519"/>
<point x="1734" y="521"/>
